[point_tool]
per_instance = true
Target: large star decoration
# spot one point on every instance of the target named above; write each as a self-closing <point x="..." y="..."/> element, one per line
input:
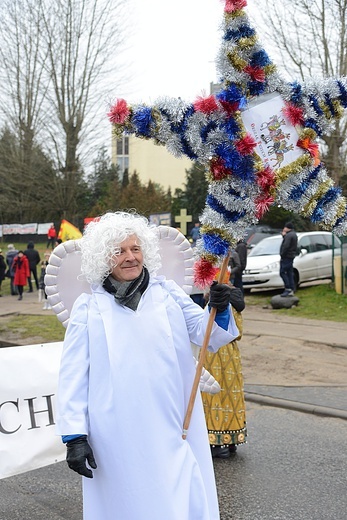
<point x="210" y="130"/>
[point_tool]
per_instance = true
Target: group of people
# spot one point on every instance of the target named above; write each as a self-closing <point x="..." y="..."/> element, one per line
<point x="21" y="268"/>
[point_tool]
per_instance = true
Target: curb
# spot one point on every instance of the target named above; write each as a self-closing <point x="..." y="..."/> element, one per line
<point x="295" y="405"/>
<point x="308" y="341"/>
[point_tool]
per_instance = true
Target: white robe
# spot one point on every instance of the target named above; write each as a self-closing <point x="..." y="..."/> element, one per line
<point x="125" y="381"/>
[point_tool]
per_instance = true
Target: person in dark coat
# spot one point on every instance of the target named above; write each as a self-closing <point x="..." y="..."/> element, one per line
<point x="34" y="259"/>
<point x="288" y="252"/>
<point x="2" y="269"/>
<point x="241" y="250"/>
<point x="12" y="252"/>
<point x="21" y="270"/>
<point x="234" y="265"/>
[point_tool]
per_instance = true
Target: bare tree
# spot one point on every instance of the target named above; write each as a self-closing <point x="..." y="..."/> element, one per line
<point x="81" y="37"/>
<point x="54" y="58"/>
<point x="23" y="80"/>
<point x="310" y="39"/>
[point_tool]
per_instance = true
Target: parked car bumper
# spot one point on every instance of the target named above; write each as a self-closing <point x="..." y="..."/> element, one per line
<point x="257" y="280"/>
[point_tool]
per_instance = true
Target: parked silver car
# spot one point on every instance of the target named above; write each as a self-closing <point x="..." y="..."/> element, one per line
<point x="313" y="262"/>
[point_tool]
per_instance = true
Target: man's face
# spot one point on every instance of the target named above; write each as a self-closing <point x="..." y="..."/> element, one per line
<point x="129" y="261"/>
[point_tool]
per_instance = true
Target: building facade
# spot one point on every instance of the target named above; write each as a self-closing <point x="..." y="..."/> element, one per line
<point x="152" y="162"/>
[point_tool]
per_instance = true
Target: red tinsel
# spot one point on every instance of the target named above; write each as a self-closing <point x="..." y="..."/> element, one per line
<point x="204" y="273"/>
<point x="119" y="112"/>
<point x="266" y="178"/>
<point x="256" y="73"/>
<point x="294" y="114"/>
<point x="245" y="145"/>
<point x="229" y="108"/>
<point x="206" y="105"/>
<point x="234" y="5"/>
<point x="218" y="169"/>
<point x="262" y="205"/>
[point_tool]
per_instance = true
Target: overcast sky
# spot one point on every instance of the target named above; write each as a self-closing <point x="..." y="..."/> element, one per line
<point x="172" y="48"/>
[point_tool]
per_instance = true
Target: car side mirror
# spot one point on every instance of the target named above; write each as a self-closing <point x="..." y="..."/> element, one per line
<point x="303" y="251"/>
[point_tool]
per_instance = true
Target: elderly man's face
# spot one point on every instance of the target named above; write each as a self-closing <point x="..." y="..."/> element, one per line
<point x="129" y="261"/>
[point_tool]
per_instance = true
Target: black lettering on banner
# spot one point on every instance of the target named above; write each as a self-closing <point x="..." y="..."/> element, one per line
<point x="2" y="429"/>
<point x="48" y="410"/>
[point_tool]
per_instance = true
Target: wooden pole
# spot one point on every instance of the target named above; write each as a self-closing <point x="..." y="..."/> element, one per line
<point x="202" y="356"/>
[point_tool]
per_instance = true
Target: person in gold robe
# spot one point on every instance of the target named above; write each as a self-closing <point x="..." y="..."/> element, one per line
<point x="225" y="412"/>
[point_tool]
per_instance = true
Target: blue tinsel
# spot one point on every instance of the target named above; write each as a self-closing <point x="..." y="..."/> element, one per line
<point x="329" y="196"/>
<point x="260" y="59"/>
<point x="230" y="127"/>
<point x="329" y="104"/>
<point x="315" y="104"/>
<point x="340" y="220"/>
<point x="232" y="94"/>
<point x="187" y="150"/>
<point x="228" y="154"/>
<point x="296" y="92"/>
<point x="311" y="123"/>
<point x="298" y="191"/>
<point x="230" y="216"/>
<point x="256" y="87"/>
<point x="236" y="194"/>
<point x="244" y="169"/>
<point x="212" y="125"/>
<point x="343" y="96"/>
<point x="244" y="31"/>
<point x="215" y="244"/>
<point x="142" y="120"/>
<point x="317" y="215"/>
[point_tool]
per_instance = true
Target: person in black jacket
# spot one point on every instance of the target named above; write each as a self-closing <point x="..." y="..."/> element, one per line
<point x="2" y="269"/>
<point x="241" y="250"/>
<point x="34" y="259"/>
<point x="288" y="252"/>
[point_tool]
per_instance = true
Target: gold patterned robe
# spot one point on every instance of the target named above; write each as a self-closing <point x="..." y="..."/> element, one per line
<point x="225" y="412"/>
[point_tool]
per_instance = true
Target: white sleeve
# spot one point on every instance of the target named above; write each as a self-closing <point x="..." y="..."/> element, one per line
<point x="197" y="318"/>
<point x="72" y="400"/>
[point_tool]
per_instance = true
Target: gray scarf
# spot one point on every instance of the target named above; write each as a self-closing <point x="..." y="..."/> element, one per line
<point x="128" y="293"/>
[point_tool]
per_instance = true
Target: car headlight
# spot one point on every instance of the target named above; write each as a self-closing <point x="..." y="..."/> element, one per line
<point x="275" y="266"/>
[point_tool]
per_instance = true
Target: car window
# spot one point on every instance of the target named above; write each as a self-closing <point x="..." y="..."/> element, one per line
<point x="319" y="243"/>
<point x="268" y="246"/>
<point x="306" y="243"/>
<point x="329" y="241"/>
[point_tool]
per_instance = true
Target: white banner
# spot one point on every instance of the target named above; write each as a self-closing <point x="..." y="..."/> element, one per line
<point x="42" y="229"/>
<point x="275" y="136"/>
<point x="20" y="229"/>
<point x="28" y="382"/>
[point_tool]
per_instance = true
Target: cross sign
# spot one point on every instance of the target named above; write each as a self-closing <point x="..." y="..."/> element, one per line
<point x="219" y="131"/>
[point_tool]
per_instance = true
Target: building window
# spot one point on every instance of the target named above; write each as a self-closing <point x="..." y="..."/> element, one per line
<point x="122" y="155"/>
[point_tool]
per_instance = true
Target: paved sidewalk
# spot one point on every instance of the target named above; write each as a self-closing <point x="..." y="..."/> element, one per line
<point x="320" y="400"/>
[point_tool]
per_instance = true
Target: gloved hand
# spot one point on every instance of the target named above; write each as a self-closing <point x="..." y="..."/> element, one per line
<point x="78" y="451"/>
<point x="219" y="296"/>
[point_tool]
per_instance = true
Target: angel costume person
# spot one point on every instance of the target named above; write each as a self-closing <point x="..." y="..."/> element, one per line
<point x="126" y="375"/>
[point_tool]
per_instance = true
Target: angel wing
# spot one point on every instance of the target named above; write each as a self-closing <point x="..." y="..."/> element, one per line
<point x="64" y="285"/>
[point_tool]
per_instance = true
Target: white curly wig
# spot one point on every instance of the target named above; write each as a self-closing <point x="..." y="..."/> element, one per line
<point x="101" y="242"/>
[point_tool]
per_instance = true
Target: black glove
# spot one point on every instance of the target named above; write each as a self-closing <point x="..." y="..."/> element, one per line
<point x="219" y="296"/>
<point x="78" y="451"/>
